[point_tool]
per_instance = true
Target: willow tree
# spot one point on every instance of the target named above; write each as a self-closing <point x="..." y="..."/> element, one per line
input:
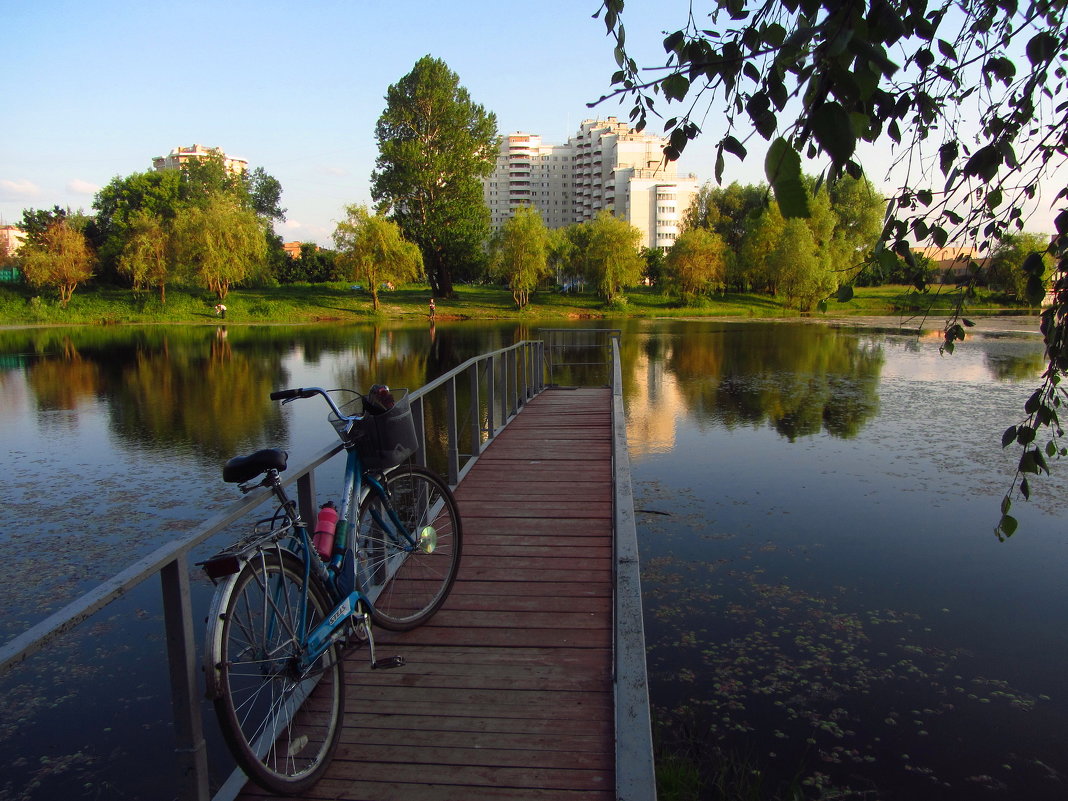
<point x="520" y="254"/>
<point x="613" y="255"/>
<point x="60" y="257"/>
<point x="697" y="262"/>
<point x="372" y="249"/>
<point x="435" y="146"/>
<point x="145" y="256"/>
<point x="219" y="243"/>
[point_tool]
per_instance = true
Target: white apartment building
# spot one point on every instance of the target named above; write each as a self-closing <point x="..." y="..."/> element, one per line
<point x="179" y="155"/>
<point x="606" y="165"/>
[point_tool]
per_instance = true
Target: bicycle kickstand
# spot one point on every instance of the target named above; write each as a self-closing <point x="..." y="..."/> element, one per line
<point x="376" y="664"/>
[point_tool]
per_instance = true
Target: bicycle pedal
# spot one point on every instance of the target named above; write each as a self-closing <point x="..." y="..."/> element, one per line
<point x="388" y="663"/>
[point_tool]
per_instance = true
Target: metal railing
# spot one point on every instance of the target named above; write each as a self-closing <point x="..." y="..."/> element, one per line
<point x="579" y="355"/>
<point x="635" y="765"/>
<point x="495" y="386"/>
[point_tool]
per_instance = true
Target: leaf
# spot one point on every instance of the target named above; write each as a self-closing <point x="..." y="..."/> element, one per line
<point x="844" y="293"/>
<point x="984" y="162"/>
<point x="675" y="86"/>
<point x="734" y="147"/>
<point x="834" y="131"/>
<point x="782" y="166"/>
<point x="1008" y="437"/>
<point x="1035" y="290"/>
<point x="946" y="49"/>
<point x="1041" y="48"/>
<point x="1025" y="435"/>
<point x="1007" y="526"/>
<point x="1006" y="504"/>
<point x="947" y="155"/>
<point x="672" y="41"/>
<point x="1025" y="489"/>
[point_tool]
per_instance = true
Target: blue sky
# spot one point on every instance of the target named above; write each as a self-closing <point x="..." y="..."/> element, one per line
<point x="96" y="90"/>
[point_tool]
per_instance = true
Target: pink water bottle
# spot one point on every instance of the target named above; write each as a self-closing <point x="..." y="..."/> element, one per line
<point x="325" y="524"/>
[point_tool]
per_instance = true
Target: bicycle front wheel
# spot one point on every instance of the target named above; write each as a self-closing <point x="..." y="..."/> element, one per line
<point x="407" y="571"/>
<point x="282" y="721"/>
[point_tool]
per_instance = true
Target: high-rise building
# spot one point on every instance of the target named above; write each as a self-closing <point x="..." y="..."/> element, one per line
<point x="606" y="165"/>
<point x="177" y="157"/>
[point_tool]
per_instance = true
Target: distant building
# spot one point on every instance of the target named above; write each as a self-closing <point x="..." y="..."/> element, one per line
<point x="11" y="237"/>
<point x="952" y="262"/>
<point x="606" y="165"/>
<point x="180" y="155"/>
<point x="292" y="249"/>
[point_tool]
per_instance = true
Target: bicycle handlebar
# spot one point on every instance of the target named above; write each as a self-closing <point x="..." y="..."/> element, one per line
<point x="287" y="395"/>
<point x="291" y="394"/>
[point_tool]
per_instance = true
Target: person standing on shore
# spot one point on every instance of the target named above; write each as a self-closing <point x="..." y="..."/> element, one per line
<point x="220" y="310"/>
<point x="433" y="310"/>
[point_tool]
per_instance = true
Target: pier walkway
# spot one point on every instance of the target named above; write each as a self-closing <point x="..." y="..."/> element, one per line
<point x="507" y="692"/>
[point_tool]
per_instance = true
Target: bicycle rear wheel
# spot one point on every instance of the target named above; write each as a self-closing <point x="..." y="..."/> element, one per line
<point x="408" y="574"/>
<point x="282" y="723"/>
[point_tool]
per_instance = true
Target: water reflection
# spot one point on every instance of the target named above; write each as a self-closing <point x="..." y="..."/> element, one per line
<point x="800" y="380"/>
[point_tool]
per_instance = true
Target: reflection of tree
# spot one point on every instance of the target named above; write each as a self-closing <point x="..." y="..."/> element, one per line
<point x="212" y="397"/>
<point x="60" y="381"/>
<point x="1015" y="367"/>
<point x="800" y="379"/>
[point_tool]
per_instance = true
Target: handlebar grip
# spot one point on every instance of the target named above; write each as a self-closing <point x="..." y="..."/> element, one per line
<point x="291" y="394"/>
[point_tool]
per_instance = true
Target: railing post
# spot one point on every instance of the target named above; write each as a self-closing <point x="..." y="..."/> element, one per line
<point x="453" y="432"/>
<point x="420" y="430"/>
<point x="504" y="388"/>
<point x="491" y="396"/>
<point x="514" y="375"/>
<point x="185" y="699"/>
<point x="475" y="416"/>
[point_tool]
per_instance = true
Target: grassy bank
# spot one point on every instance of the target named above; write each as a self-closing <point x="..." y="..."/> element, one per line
<point x="337" y="302"/>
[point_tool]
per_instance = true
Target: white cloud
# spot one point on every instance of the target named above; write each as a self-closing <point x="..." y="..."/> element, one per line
<point x="80" y="187"/>
<point x="18" y="190"/>
<point x="291" y="224"/>
<point x="334" y="170"/>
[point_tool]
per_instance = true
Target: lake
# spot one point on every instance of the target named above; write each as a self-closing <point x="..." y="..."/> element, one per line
<point x="826" y="605"/>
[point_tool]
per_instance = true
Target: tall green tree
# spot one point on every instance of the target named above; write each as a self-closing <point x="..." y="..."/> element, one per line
<point x="800" y="267"/>
<point x="613" y="254"/>
<point x="753" y="267"/>
<point x="372" y="249"/>
<point x="697" y="262"/>
<point x="859" y="210"/>
<point x="220" y="243"/>
<point x="435" y="145"/>
<point x="145" y="257"/>
<point x="520" y="254"/>
<point x="60" y="258"/>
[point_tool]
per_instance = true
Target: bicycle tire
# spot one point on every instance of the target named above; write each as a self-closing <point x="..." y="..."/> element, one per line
<point x="407" y="584"/>
<point x="251" y="655"/>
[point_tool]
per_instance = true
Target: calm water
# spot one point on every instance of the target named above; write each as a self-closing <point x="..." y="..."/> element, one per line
<point x="825" y="599"/>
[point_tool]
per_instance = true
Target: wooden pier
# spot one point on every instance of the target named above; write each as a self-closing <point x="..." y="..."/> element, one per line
<point x="508" y="692"/>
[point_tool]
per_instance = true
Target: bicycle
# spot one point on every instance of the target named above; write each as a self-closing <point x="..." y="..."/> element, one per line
<point x="283" y="611"/>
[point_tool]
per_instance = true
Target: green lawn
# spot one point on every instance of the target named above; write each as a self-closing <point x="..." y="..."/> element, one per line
<point x="303" y="303"/>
